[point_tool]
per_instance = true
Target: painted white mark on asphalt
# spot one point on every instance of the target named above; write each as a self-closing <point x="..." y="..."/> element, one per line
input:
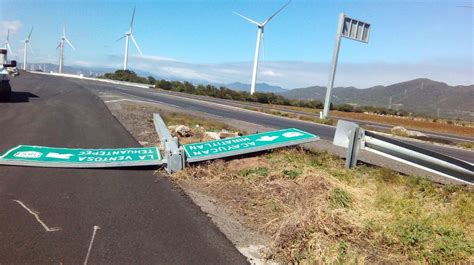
<point x="96" y="227"/>
<point x="36" y="215"/>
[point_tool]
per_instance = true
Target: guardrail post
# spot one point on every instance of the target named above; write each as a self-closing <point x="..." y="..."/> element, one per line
<point x="355" y="138"/>
<point x="349" y="135"/>
<point x="174" y="159"/>
<point x="174" y="156"/>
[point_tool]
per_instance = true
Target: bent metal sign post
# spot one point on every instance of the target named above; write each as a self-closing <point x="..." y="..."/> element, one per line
<point x="246" y="144"/>
<point x="41" y="156"/>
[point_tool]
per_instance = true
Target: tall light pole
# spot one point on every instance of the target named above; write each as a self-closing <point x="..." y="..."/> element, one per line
<point x="347" y="28"/>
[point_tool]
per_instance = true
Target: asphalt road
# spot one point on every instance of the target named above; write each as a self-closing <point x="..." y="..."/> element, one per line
<point x="211" y="106"/>
<point x="243" y="104"/>
<point x="143" y="218"/>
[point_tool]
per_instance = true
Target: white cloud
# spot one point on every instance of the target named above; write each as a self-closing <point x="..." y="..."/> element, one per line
<point x="13" y="25"/>
<point x="270" y="73"/>
<point x="294" y="74"/>
<point x="152" y="58"/>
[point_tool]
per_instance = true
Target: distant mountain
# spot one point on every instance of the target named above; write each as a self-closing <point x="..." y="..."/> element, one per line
<point x="420" y="95"/>
<point x="261" y="87"/>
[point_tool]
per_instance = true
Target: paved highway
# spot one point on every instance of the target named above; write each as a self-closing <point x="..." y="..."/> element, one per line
<point x="143" y="218"/>
<point x="226" y="110"/>
<point x="243" y="104"/>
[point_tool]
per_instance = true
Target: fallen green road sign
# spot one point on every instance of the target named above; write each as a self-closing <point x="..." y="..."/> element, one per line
<point x="41" y="156"/>
<point x="246" y="144"/>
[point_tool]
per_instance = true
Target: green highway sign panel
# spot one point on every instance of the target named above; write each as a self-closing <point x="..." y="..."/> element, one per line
<point x="246" y="144"/>
<point x="41" y="156"/>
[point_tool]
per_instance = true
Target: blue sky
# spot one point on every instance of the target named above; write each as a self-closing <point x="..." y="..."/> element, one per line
<point x="203" y="40"/>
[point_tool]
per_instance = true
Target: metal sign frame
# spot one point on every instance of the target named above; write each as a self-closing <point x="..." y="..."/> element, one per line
<point x="340" y="33"/>
<point x="355" y="30"/>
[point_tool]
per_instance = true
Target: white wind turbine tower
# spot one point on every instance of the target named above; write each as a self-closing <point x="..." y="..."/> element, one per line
<point x="25" y="50"/>
<point x="7" y="43"/>
<point x="128" y="35"/>
<point x="260" y="37"/>
<point x="61" y="51"/>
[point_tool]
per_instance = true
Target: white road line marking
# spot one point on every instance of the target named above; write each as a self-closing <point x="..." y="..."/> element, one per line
<point x="96" y="227"/>
<point x="52" y="229"/>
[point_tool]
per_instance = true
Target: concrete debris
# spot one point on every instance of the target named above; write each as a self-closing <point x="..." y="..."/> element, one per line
<point x="226" y="134"/>
<point x="143" y="143"/>
<point x="183" y="131"/>
<point x="399" y="130"/>
<point x="213" y="135"/>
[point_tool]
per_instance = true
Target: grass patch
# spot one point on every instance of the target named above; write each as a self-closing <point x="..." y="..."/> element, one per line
<point x="174" y="118"/>
<point x="466" y="145"/>
<point x="340" y="198"/>
<point x="258" y="171"/>
<point x="316" y="211"/>
<point x="291" y="174"/>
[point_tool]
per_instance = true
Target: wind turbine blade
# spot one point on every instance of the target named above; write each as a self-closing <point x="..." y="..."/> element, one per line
<point x="274" y="14"/>
<point x="248" y="19"/>
<point x="64" y="32"/>
<point x="68" y="42"/>
<point x="121" y="37"/>
<point x="31" y="31"/>
<point x="136" y="45"/>
<point x="9" y="48"/>
<point x="8" y="35"/>
<point x="59" y="45"/>
<point x="133" y="16"/>
<point x="31" y="48"/>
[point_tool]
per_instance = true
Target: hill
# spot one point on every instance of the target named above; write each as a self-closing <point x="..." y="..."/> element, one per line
<point x="422" y="95"/>
<point x="261" y="87"/>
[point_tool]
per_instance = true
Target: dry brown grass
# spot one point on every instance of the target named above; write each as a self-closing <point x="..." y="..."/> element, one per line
<point x="316" y="211"/>
<point x="424" y="124"/>
<point x="442" y="126"/>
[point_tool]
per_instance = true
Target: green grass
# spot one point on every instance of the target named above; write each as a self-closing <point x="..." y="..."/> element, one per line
<point x="251" y="172"/>
<point x="291" y="174"/>
<point x="340" y="198"/>
<point x="192" y="121"/>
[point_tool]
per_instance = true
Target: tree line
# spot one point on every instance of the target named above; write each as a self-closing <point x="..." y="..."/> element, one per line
<point x="226" y="93"/>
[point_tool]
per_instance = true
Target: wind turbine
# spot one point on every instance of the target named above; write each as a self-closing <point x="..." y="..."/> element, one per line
<point x="25" y="50"/>
<point x="128" y="35"/>
<point x="260" y="37"/>
<point x="7" y="43"/>
<point x="61" y="47"/>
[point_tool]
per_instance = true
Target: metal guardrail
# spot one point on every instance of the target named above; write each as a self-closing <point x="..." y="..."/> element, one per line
<point x="352" y="137"/>
<point x="173" y="154"/>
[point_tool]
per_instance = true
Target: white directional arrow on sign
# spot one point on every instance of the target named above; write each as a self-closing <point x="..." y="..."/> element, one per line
<point x="292" y="134"/>
<point x="59" y="156"/>
<point x="267" y="138"/>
